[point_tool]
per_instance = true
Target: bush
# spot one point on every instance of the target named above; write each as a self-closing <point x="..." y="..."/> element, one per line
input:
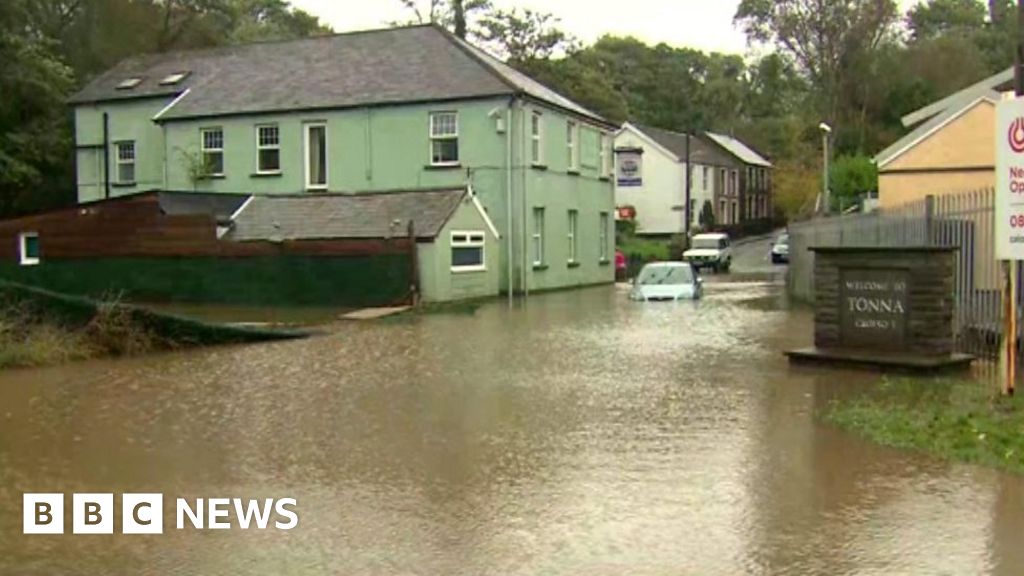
<point x="679" y="244"/>
<point x="624" y="229"/>
<point x="850" y="178"/>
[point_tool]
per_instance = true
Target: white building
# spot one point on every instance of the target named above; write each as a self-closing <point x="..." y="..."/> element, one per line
<point x="657" y="186"/>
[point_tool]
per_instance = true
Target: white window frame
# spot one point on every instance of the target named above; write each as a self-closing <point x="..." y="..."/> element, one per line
<point x="306" y="129"/>
<point x="433" y="137"/>
<point x="571" y="234"/>
<point x="118" y="161"/>
<point x="537" y="138"/>
<point x="603" y="221"/>
<point x="260" y="147"/>
<point x="572" y="139"/>
<point x="538" y="236"/>
<point x="204" y="150"/>
<point x="23" y="258"/>
<point x="469" y="239"/>
<point x="606" y="154"/>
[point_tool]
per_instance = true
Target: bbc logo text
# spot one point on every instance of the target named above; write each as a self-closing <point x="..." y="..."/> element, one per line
<point x="94" y="513"/>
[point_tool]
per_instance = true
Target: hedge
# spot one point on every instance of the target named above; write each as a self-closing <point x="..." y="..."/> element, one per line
<point x="257" y="281"/>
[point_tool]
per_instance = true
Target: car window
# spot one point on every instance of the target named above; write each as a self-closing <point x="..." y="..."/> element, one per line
<point x="723" y="243"/>
<point x="665" y="275"/>
<point x="706" y="243"/>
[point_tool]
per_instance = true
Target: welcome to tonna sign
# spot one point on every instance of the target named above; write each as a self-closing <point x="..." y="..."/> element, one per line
<point x="1009" y="201"/>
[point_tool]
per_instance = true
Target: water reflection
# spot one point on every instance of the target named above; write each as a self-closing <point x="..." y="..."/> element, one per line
<point x="579" y="433"/>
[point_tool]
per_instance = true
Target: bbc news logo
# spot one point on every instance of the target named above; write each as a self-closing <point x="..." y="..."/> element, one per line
<point x="144" y="513"/>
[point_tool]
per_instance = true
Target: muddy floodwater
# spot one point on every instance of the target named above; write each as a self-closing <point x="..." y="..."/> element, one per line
<point x="578" y="434"/>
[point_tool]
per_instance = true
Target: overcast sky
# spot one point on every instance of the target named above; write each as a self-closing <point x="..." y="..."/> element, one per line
<point x="703" y="24"/>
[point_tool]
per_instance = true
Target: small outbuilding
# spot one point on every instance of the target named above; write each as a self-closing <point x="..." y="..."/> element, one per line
<point x="351" y="249"/>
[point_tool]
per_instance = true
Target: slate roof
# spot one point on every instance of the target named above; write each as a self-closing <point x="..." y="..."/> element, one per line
<point x="377" y="67"/>
<point x="221" y="206"/>
<point x="740" y="150"/>
<point x="675" y="142"/>
<point x="366" y="215"/>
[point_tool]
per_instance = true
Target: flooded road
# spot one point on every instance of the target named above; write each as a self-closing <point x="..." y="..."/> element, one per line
<point x="579" y="434"/>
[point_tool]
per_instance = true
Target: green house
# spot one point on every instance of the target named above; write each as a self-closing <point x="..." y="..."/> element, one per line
<point x="411" y="108"/>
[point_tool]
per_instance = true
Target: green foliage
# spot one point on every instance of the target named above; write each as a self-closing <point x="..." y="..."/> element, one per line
<point x="624" y="229"/>
<point x="35" y="137"/>
<point x="48" y="48"/>
<point x="523" y="35"/>
<point x="955" y="420"/>
<point x="643" y="249"/>
<point x="850" y="177"/>
<point x="939" y="17"/>
<point x="197" y="166"/>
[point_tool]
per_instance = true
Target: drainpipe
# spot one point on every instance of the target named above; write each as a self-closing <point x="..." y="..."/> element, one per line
<point x="522" y="143"/>
<point x="106" y="155"/>
<point x="508" y="192"/>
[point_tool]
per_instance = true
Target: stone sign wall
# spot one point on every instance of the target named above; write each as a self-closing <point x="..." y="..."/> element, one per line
<point x="897" y="300"/>
<point x="873" y="308"/>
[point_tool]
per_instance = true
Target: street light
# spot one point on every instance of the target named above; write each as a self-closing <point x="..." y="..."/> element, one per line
<point x="826" y="131"/>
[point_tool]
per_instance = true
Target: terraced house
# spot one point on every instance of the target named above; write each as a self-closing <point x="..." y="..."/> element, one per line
<point x="401" y="109"/>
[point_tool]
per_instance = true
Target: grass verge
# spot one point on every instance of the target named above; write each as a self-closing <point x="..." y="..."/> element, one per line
<point x="38" y="328"/>
<point x="952" y="419"/>
<point x="644" y="249"/>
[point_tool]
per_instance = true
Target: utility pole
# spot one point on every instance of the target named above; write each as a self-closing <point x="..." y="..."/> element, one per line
<point x="1010" y="267"/>
<point x="826" y="132"/>
<point x="687" y="195"/>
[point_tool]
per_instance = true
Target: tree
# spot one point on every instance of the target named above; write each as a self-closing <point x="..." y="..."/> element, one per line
<point x="35" y="145"/>
<point x="938" y="17"/>
<point x="850" y="177"/>
<point x="823" y="37"/>
<point x="460" y="17"/>
<point x="523" y="35"/>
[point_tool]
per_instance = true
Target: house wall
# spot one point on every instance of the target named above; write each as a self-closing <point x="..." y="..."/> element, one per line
<point x="557" y="190"/>
<point x="127" y="120"/>
<point x="659" y="200"/>
<point x="385" y="148"/>
<point x="958" y="157"/>
<point x="438" y="283"/>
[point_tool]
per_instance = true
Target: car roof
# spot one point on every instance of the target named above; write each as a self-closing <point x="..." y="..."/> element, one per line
<point x="711" y="235"/>
<point x="672" y="264"/>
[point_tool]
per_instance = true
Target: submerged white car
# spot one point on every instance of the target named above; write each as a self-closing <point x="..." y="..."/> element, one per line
<point x="667" y="281"/>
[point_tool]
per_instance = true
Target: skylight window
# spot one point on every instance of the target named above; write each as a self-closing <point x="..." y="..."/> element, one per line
<point x="172" y="79"/>
<point x="129" y="83"/>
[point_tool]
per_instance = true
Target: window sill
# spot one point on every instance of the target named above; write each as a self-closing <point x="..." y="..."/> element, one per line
<point x="29" y="262"/>
<point x="572" y="265"/>
<point x="455" y="166"/>
<point x="123" y="184"/>
<point x="573" y="172"/>
<point x="275" y="174"/>
<point x="604" y="262"/>
<point x="316" y="189"/>
<point x="604" y="178"/>
<point x="469" y="269"/>
<point x="542" y="167"/>
<point x="540" y="267"/>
